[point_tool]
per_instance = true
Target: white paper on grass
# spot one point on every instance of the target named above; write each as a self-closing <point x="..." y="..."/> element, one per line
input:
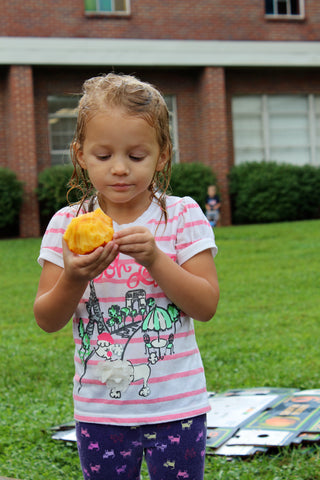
<point x="264" y="438"/>
<point x="238" y="450"/>
<point x="66" y="435"/>
<point x="233" y="411"/>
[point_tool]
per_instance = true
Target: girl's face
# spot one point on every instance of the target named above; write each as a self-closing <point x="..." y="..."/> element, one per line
<point x="121" y="154"/>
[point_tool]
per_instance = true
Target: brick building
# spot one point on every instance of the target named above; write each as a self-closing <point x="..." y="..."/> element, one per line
<point x="242" y="79"/>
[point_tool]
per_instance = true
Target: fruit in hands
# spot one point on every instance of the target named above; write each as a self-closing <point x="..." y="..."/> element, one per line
<point x="88" y="232"/>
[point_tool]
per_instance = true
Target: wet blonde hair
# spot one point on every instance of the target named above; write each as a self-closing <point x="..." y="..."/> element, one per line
<point x="137" y="98"/>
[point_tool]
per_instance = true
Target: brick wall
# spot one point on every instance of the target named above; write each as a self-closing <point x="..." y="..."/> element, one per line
<point x="203" y="95"/>
<point x="183" y="84"/>
<point x="58" y="81"/>
<point x="204" y="114"/>
<point x="201" y="124"/>
<point x="21" y="143"/>
<point x="3" y="121"/>
<point x="203" y="20"/>
<point x="213" y="132"/>
<point x="247" y="81"/>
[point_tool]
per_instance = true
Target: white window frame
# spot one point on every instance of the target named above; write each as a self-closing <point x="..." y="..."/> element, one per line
<point x="173" y="118"/>
<point x="288" y="15"/>
<point x="112" y="12"/>
<point x="313" y="145"/>
<point x="53" y="118"/>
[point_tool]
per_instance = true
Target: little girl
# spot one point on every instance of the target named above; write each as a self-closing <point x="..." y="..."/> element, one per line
<point x="139" y="385"/>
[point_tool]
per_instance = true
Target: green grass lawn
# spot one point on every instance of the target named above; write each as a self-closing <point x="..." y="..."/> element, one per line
<point x="265" y="333"/>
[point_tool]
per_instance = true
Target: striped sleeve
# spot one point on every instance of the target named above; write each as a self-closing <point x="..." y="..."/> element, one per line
<point x="194" y="233"/>
<point x="51" y="246"/>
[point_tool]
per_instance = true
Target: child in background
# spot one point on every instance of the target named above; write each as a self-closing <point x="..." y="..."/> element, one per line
<point x="139" y="385"/>
<point x="213" y="206"/>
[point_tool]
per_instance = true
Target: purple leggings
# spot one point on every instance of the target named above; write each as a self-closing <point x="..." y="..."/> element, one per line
<point x="174" y="450"/>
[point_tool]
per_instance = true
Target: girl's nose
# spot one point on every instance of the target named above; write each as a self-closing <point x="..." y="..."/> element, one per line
<point x="119" y="166"/>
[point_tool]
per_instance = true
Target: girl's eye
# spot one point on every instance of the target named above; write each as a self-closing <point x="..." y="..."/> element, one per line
<point x="103" y="157"/>
<point x="136" y="158"/>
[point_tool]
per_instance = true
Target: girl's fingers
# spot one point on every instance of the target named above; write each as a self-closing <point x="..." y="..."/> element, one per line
<point x="133" y="238"/>
<point x="91" y="264"/>
<point x="101" y="258"/>
<point x="100" y="253"/>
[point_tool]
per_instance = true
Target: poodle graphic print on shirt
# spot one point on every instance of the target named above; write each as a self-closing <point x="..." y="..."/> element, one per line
<point x="138" y="315"/>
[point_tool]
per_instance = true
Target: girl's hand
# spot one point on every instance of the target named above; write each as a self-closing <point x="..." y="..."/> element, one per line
<point x="139" y="243"/>
<point x="86" y="267"/>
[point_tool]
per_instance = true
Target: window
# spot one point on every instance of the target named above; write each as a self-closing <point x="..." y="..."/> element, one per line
<point x="62" y="123"/>
<point x="115" y="7"/>
<point x="280" y="128"/>
<point x="173" y="119"/>
<point x="63" y="119"/>
<point x="285" y="8"/>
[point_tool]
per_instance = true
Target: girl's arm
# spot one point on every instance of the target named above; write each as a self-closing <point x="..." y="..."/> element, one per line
<point x="60" y="289"/>
<point x="56" y="299"/>
<point x="192" y="287"/>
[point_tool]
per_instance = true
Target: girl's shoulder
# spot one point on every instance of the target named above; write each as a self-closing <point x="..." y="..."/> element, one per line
<point x="182" y="205"/>
<point x="67" y="213"/>
<point x="174" y="200"/>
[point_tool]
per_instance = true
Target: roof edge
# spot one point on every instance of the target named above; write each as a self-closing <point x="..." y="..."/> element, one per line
<point x="156" y="53"/>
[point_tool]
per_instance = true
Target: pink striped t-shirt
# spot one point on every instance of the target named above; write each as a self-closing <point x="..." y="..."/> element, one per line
<point x="136" y="357"/>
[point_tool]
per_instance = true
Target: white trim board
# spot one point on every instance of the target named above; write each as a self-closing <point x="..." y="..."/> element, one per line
<point x="160" y="53"/>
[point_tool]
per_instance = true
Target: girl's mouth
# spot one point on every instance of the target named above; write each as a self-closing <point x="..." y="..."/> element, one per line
<point x="120" y="186"/>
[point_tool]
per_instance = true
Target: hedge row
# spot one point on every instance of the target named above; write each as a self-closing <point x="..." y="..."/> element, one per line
<point x="53" y="187"/>
<point x="260" y="192"/>
<point x="187" y="179"/>
<point x="263" y="192"/>
<point x="11" y="195"/>
<point x="192" y="179"/>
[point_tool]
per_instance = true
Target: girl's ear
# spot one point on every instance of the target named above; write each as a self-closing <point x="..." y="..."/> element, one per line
<point x="163" y="159"/>
<point x="78" y="153"/>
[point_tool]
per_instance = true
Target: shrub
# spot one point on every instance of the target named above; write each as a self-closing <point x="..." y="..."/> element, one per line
<point x="309" y="187"/>
<point x="263" y="192"/>
<point x="11" y="194"/>
<point x="192" y="179"/>
<point x="53" y="187"/>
